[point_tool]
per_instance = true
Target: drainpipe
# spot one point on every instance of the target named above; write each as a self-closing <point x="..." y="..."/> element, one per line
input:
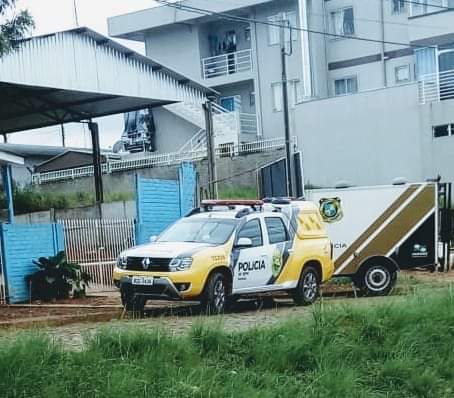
<point x="325" y="47"/>
<point x="383" y="60"/>
<point x="257" y="79"/>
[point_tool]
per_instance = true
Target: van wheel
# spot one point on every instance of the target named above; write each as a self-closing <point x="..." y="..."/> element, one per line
<point x="131" y="301"/>
<point x="216" y="294"/>
<point x="308" y="287"/>
<point x="376" y="280"/>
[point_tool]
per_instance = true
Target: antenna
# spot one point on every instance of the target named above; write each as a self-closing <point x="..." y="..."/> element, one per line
<point x="76" y="16"/>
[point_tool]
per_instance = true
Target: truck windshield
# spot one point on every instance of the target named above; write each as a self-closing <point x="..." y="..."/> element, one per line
<point x="206" y="230"/>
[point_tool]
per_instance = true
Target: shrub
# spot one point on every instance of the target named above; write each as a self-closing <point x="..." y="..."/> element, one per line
<point x="56" y="278"/>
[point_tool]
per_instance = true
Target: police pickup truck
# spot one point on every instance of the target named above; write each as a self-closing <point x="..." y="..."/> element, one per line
<point x="226" y="249"/>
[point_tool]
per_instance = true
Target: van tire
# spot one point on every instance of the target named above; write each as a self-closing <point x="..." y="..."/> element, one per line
<point x="216" y="294"/>
<point x="376" y="279"/>
<point x="132" y="302"/>
<point x="308" y="288"/>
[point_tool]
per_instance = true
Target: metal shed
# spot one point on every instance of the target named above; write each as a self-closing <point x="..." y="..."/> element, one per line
<point x="78" y="75"/>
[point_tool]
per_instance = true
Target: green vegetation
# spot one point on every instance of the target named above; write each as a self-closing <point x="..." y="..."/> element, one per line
<point x="238" y="193"/>
<point x="29" y="200"/>
<point x="393" y="347"/>
<point x="57" y="278"/>
<point x="14" y="26"/>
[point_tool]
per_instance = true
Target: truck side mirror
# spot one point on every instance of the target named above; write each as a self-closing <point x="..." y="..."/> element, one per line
<point x="244" y="243"/>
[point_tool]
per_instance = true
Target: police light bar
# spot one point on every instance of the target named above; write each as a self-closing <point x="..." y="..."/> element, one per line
<point x="229" y="203"/>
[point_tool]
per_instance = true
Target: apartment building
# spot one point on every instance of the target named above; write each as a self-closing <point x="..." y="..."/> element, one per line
<point x="371" y="82"/>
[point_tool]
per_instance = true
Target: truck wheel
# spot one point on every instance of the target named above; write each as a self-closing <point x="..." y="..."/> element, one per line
<point x="132" y="302"/>
<point x="215" y="296"/>
<point x="308" y="287"/>
<point x="376" y="279"/>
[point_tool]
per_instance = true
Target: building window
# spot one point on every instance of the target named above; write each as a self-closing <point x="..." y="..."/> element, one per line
<point x="398" y="6"/>
<point x="444" y="130"/>
<point x="296" y="87"/>
<point x="402" y="74"/>
<point x="426" y="62"/>
<point x="252" y="99"/>
<point x="295" y="94"/>
<point x="247" y="34"/>
<point x="342" y="22"/>
<point x="346" y="86"/>
<point x="276" y="89"/>
<point x="274" y="34"/>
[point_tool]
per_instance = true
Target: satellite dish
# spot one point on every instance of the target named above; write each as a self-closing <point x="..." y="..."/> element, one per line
<point x="118" y="147"/>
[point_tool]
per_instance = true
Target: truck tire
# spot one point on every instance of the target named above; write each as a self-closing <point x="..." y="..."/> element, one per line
<point x="215" y="296"/>
<point x="308" y="287"/>
<point x="376" y="278"/>
<point x="131" y="301"/>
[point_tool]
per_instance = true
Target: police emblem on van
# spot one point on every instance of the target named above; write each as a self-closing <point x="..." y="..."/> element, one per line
<point x="330" y="209"/>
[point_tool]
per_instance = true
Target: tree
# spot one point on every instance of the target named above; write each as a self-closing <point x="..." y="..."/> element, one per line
<point x="13" y="26"/>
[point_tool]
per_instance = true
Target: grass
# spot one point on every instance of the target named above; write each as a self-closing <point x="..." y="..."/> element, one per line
<point x="29" y="200"/>
<point x="238" y="193"/>
<point x="386" y="348"/>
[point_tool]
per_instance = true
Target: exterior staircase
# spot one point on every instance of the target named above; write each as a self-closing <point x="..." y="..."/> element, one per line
<point x="226" y="124"/>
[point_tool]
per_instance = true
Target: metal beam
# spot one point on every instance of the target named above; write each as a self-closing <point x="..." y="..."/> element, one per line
<point x="8" y="187"/>
<point x="94" y="130"/>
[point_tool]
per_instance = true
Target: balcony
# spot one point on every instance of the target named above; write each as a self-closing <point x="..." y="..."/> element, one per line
<point x="227" y="64"/>
<point x="436" y="87"/>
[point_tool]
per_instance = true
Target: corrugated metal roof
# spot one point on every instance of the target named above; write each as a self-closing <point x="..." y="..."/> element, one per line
<point x="80" y="74"/>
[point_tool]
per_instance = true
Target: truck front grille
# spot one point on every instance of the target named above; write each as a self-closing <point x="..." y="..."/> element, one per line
<point x="156" y="264"/>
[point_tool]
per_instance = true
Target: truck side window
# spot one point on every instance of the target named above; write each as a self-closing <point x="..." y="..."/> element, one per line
<point x="276" y="230"/>
<point x="253" y="231"/>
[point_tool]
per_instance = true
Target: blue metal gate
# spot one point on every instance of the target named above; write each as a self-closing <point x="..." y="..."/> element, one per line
<point x="162" y="202"/>
<point x="21" y="244"/>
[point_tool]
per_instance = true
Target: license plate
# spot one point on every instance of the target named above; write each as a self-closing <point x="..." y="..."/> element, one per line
<point x="142" y="281"/>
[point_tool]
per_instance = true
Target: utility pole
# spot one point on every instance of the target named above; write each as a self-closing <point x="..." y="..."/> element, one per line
<point x="209" y="128"/>
<point x="63" y="138"/>
<point x="76" y="14"/>
<point x="284" y="55"/>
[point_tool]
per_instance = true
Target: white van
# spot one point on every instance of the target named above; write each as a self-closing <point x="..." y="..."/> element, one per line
<point x="378" y="230"/>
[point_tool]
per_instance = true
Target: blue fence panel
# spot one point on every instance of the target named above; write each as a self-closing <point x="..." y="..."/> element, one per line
<point x="162" y="202"/>
<point x="188" y="186"/>
<point x="158" y="206"/>
<point x="21" y="244"/>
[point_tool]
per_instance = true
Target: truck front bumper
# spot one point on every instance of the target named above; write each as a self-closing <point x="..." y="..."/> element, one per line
<point x="162" y="289"/>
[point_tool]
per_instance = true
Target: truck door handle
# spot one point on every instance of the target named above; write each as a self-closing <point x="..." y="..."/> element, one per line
<point x="290" y="251"/>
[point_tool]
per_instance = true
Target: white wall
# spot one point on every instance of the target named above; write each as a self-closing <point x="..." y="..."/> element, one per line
<point x="364" y="138"/>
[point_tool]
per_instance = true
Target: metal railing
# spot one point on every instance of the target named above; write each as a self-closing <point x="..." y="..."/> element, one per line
<point x="227" y="64"/>
<point x="95" y="244"/>
<point x="436" y="87"/>
<point x="166" y="159"/>
<point x="418" y="8"/>
<point x="197" y="142"/>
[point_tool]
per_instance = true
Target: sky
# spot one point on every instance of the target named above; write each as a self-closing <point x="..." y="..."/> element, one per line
<point x="57" y="15"/>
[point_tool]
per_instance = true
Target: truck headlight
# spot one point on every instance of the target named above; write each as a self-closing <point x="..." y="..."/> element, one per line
<point x="122" y="261"/>
<point x="180" y="264"/>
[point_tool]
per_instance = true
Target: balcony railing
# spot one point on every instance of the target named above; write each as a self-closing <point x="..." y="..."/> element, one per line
<point x="436" y="87"/>
<point x="167" y="159"/>
<point x="227" y="64"/>
<point x="424" y="7"/>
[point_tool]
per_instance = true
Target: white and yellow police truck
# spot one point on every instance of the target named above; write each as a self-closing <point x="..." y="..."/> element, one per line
<point x="378" y="230"/>
<point x="227" y="249"/>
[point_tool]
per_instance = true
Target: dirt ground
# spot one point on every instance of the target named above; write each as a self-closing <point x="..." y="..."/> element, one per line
<point x="70" y="320"/>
